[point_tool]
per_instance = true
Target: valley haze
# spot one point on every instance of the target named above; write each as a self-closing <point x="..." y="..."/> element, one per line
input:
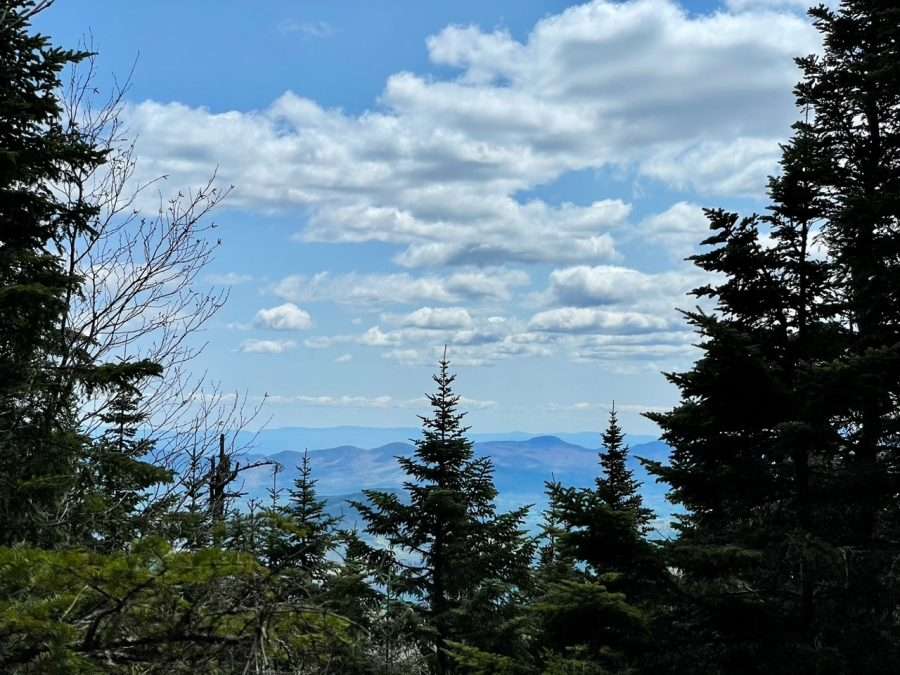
<point x="349" y="459"/>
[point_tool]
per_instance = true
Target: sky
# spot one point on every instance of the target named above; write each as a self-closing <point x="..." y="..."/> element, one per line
<point x="518" y="180"/>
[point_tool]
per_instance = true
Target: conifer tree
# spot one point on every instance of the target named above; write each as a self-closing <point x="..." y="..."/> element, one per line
<point x="313" y="531"/>
<point x="456" y="556"/>
<point x="616" y="486"/>
<point x="593" y="608"/>
<point x="36" y="450"/>
<point x="43" y="363"/>
<point x="116" y="504"/>
<point x="784" y="442"/>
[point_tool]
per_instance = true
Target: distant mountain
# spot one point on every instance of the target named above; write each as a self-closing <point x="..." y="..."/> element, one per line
<point x="522" y="469"/>
<point x="300" y="438"/>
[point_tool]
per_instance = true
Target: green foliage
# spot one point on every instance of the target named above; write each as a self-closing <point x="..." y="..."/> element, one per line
<point x="44" y="368"/>
<point x="598" y="575"/>
<point x="450" y="551"/>
<point x="116" y="503"/>
<point x="38" y="445"/>
<point x="786" y="459"/>
<point x="71" y="611"/>
<point x="785" y="449"/>
<point x="302" y="533"/>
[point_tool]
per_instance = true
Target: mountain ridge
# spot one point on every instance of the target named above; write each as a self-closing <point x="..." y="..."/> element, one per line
<point x="521" y="470"/>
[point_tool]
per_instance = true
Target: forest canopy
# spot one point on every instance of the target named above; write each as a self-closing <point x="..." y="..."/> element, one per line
<point x="124" y="547"/>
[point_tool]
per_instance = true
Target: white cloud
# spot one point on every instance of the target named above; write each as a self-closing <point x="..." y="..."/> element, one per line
<point x="229" y="279"/>
<point x="383" y="289"/>
<point x="375" y="337"/>
<point x="694" y="100"/>
<point x="284" y="317"/>
<point x="463" y="353"/>
<point x="584" y="286"/>
<point x="344" y="358"/>
<point x="679" y="229"/>
<point x="363" y="289"/>
<point x="267" y="346"/>
<point x="445" y="318"/>
<point x="739" y="166"/>
<point x="590" y="319"/>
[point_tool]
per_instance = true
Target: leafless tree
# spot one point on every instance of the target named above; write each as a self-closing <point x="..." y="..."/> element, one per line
<point x="142" y="294"/>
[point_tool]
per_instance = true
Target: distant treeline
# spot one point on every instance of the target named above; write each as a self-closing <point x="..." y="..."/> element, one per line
<point x="122" y="551"/>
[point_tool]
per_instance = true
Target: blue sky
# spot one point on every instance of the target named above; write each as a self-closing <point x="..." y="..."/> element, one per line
<point x="519" y="180"/>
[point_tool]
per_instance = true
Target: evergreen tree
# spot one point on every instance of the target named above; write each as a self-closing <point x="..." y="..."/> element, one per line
<point x="784" y="443"/>
<point x="309" y="532"/>
<point x="44" y="367"/>
<point x="456" y="556"/>
<point x="616" y="485"/>
<point x="37" y="442"/>
<point x="593" y="609"/>
<point x="116" y="504"/>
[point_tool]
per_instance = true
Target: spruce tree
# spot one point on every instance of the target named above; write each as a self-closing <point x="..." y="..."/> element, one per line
<point x="44" y="368"/>
<point x="456" y="557"/>
<point x="301" y="532"/>
<point x="616" y="485"/>
<point x="116" y="502"/>
<point x="784" y="442"/>
<point x="593" y="609"/>
<point x="37" y="447"/>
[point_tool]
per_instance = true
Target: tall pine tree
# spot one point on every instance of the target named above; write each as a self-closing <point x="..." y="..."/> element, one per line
<point x="457" y="558"/>
<point x="593" y="607"/>
<point x="44" y="368"/>
<point x="785" y="449"/>
<point x="303" y="531"/>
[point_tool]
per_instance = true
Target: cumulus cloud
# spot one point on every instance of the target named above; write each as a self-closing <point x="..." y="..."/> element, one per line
<point x="483" y="344"/>
<point x="344" y="358"/>
<point x="444" y="170"/>
<point x="693" y="100"/>
<point x="679" y="229"/>
<point x="267" y="346"/>
<point x="591" y="319"/>
<point x="444" y="318"/>
<point x="402" y="288"/>
<point x="584" y="286"/>
<point x="284" y="317"/>
<point x="739" y="166"/>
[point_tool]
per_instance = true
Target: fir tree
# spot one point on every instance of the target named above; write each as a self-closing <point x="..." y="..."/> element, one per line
<point x="44" y="367"/>
<point x="300" y="535"/>
<point x="116" y="504"/>
<point x="616" y="485"/>
<point x="787" y="478"/>
<point x="38" y="445"/>
<point x="314" y="529"/>
<point x="593" y="609"/>
<point x="456" y="555"/>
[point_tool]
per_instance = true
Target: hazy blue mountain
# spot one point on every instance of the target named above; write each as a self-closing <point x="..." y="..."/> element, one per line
<point x="299" y="438"/>
<point x="522" y="468"/>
